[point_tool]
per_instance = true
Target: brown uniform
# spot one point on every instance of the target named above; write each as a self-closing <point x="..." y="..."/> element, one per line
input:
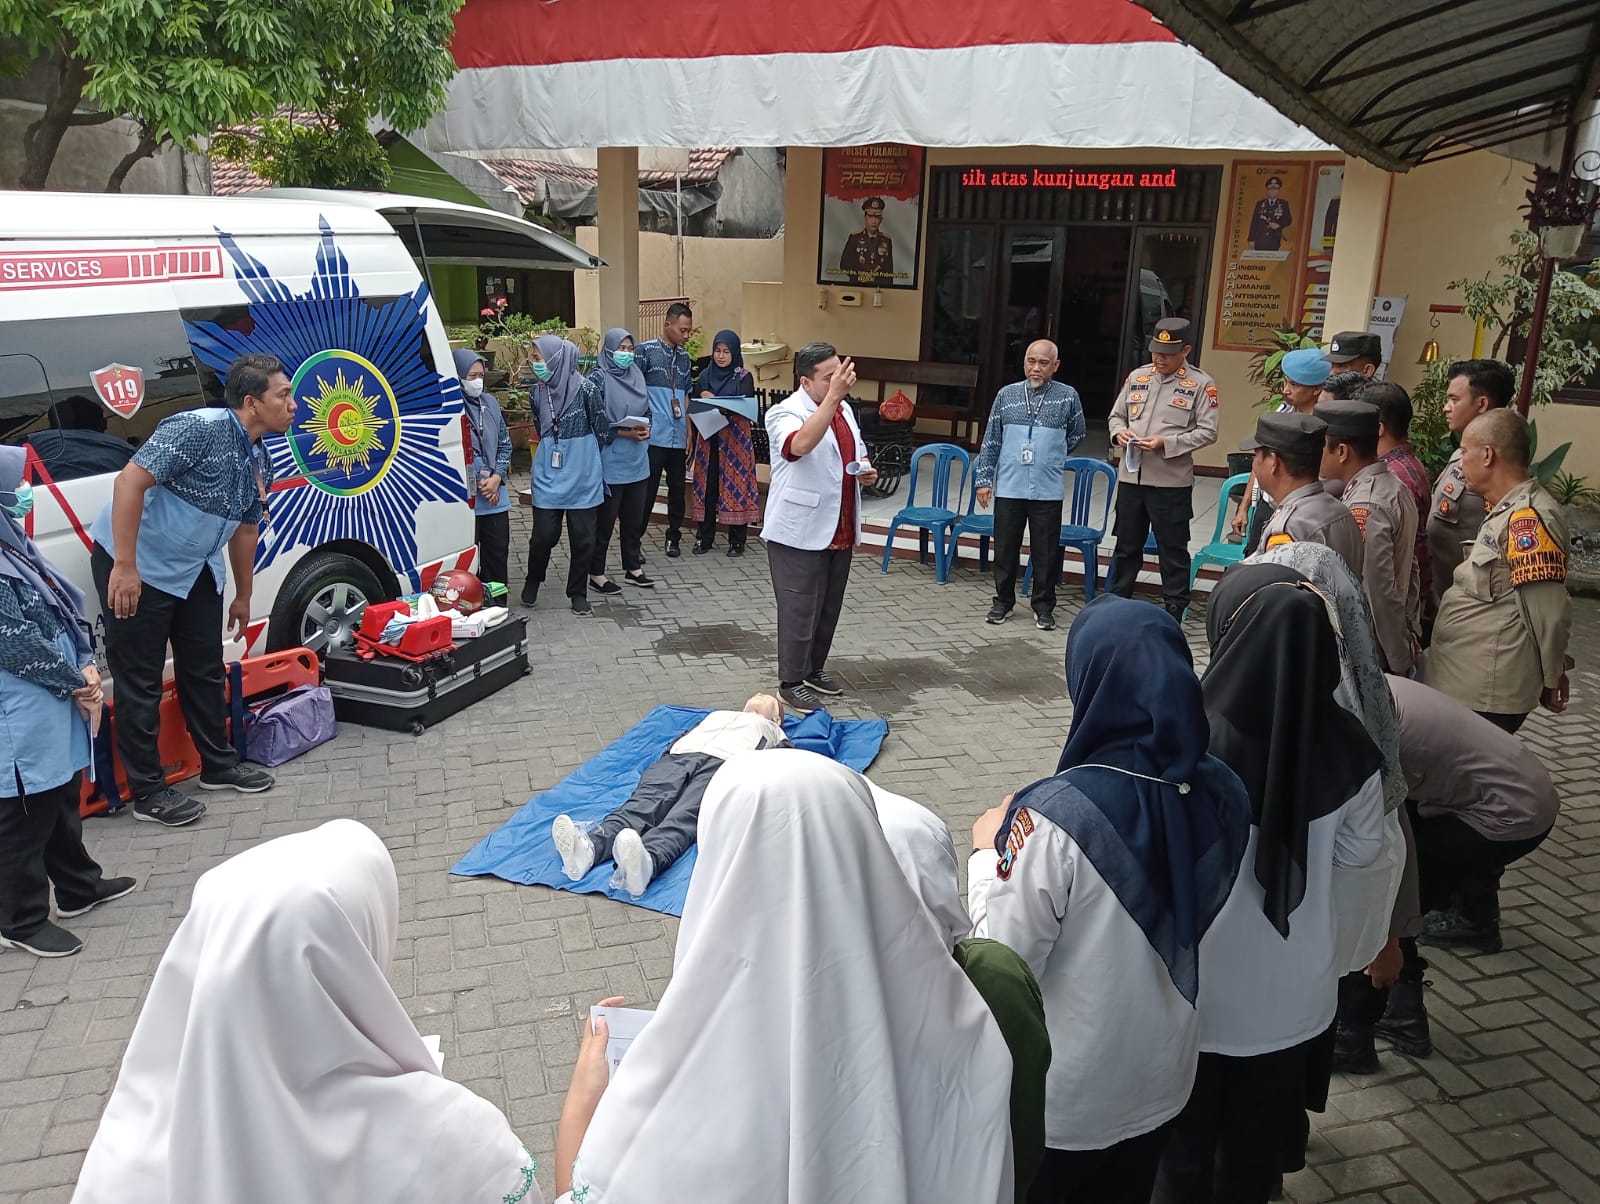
<point x="1453" y="523"/>
<point x="1309" y="515"/>
<point x="1501" y="635"/>
<point x="1387" y="515"/>
<point x="1181" y="408"/>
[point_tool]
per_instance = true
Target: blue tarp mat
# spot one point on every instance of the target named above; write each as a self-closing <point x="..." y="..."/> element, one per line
<point x="520" y="850"/>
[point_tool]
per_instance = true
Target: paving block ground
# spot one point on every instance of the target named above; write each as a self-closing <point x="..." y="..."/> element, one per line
<point x="1505" y="1110"/>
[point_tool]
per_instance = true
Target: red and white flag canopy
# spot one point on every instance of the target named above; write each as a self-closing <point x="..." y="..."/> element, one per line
<point x="540" y="74"/>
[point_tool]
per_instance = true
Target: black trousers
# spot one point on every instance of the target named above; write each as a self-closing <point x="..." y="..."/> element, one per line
<point x="707" y="534"/>
<point x="1120" y="1174"/>
<point x="1457" y="864"/>
<point x="1043" y="522"/>
<point x="1167" y="511"/>
<point x="1362" y="1005"/>
<point x="136" y="653"/>
<point x="1258" y="524"/>
<point x="493" y="533"/>
<point x="630" y="504"/>
<point x="41" y="841"/>
<point x="664" y="808"/>
<point x="809" y="588"/>
<point x="1226" y="1145"/>
<point x="1505" y="722"/>
<point x="673" y="461"/>
<point x="580" y="541"/>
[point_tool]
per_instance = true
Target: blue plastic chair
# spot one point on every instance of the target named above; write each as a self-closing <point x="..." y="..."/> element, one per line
<point x="1080" y="531"/>
<point x="1219" y="551"/>
<point x="936" y="519"/>
<point x="973" y="523"/>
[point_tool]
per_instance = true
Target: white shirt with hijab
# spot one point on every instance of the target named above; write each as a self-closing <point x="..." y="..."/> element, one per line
<point x="922" y="844"/>
<point x="272" y="1061"/>
<point x="817" y="1041"/>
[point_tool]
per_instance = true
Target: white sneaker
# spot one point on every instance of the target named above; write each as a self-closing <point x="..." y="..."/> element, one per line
<point x="634" y="866"/>
<point x="576" y="849"/>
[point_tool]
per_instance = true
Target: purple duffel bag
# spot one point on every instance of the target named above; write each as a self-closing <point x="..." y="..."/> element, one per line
<point x="289" y="725"/>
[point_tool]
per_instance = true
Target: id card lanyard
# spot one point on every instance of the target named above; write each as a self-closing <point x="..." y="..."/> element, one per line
<point x="1035" y="406"/>
<point x="555" y="426"/>
<point x="672" y="381"/>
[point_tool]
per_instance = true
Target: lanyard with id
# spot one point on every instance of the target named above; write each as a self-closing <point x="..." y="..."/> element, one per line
<point x="672" y="382"/>
<point x="555" y="425"/>
<point x="1035" y="404"/>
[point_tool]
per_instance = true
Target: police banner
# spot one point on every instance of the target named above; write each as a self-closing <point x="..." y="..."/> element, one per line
<point x="1268" y="221"/>
<point x="871" y="215"/>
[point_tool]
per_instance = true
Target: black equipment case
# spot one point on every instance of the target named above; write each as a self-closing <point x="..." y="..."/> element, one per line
<point x="402" y="695"/>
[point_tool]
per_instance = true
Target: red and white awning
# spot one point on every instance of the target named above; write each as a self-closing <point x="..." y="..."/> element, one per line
<point x="1078" y="73"/>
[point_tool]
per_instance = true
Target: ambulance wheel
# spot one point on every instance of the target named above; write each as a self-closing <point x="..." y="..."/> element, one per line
<point x="321" y="602"/>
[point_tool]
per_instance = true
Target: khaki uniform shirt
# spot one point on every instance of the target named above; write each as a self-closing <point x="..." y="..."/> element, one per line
<point x="1309" y="515"/>
<point x="1387" y="515"/>
<point x="1452" y="524"/>
<point x="1181" y="408"/>
<point x="1501" y="634"/>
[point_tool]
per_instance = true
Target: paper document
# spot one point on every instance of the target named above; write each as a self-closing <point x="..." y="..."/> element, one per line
<point x="630" y="420"/>
<point x="745" y="407"/>
<point x="622" y="1026"/>
<point x="436" y="1051"/>
<point x="709" y="422"/>
<point x="1130" y="456"/>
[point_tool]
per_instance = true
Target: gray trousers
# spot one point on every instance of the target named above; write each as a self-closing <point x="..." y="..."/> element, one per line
<point x="664" y="808"/>
<point x="809" y="588"/>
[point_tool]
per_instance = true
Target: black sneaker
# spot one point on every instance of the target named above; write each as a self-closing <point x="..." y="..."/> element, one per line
<point x="50" y="940"/>
<point x="530" y="596"/>
<point x="1177" y="612"/>
<point x="801" y="698"/>
<point x="640" y="580"/>
<point x="673" y="550"/>
<point x="581" y="607"/>
<point x="998" y="613"/>
<point x="109" y="889"/>
<point x="610" y="587"/>
<point x="1451" y="930"/>
<point x="823" y="682"/>
<point x="169" y="808"/>
<point x="700" y="549"/>
<point x="736" y="550"/>
<point x="246" y="779"/>
<point x="1044" y="620"/>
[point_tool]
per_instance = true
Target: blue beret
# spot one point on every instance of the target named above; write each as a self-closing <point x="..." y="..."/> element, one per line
<point x="1306" y="366"/>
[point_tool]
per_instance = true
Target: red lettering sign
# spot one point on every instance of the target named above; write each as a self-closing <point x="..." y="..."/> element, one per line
<point x="133" y="265"/>
<point x="1070" y="178"/>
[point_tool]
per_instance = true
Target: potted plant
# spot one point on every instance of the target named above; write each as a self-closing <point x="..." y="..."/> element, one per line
<point x="1560" y="208"/>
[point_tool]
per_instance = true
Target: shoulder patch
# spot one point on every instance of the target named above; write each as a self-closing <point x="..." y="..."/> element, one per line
<point x="1278" y="540"/>
<point x="1530" y="551"/>
<point x="1360" y="513"/>
<point x="1021" y="829"/>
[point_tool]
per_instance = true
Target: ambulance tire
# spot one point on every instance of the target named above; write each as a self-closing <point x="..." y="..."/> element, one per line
<point x="321" y="602"/>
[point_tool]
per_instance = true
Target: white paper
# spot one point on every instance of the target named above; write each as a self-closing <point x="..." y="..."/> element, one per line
<point x="622" y="1026"/>
<point x="709" y="422"/>
<point x="631" y="420"/>
<point x="1130" y="455"/>
<point x="435" y="1051"/>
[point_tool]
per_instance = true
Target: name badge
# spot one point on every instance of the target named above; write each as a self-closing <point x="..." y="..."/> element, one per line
<point x="1027" y="454"/>
<point x="677" y="406"/>
<point x="555" y="458"/>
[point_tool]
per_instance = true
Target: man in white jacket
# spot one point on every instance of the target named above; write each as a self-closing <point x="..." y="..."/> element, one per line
<point x="813" y="518"/>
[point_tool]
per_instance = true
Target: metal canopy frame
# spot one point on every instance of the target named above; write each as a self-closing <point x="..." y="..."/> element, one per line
<point x="1413" y="80"/>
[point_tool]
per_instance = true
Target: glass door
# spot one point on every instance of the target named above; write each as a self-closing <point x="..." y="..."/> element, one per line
<point x="960" y="283"/>
<point x="1030" y="293"/>
<point x="1169" y="281"/>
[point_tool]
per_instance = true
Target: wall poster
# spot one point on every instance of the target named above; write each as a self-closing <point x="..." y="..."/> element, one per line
<point x="871" y="227"/>
<point x="1328" y="186"/>
<point x="1268" y="217"/>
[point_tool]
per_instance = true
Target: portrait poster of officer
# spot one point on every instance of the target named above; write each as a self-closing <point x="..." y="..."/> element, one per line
<point x="871" y="215"/>
<point x="1267" y="282"/>
<point x="1272" y="217"/>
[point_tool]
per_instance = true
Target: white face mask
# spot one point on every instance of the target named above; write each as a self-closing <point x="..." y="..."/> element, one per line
<point x="473" y="388"/>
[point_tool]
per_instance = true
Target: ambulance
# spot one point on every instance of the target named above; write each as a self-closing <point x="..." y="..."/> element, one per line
<point x="116" y="311"/>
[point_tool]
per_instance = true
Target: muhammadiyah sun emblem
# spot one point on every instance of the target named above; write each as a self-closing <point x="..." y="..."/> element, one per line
<point x="347" y="425"/>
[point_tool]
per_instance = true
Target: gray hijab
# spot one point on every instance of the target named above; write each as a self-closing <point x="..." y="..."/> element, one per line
<point x="21" y="560"/>
<point x="1362" y="689"/>
<point x="624" y="387"/>
<point x="561" y="392"/>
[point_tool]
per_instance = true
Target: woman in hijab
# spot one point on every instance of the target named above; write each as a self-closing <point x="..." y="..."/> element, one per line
<point x="49" y="701"/>
<point x="724" y="486"/>
<point x="1272" y="961"/>
<point x="1105" y="878"/>
<point x="568" y="479"/>
<point x="491" y="462"/>
<point x="817" y="1041"/>
<point x="624" y="460"/>
<point x="272" y="1061"/>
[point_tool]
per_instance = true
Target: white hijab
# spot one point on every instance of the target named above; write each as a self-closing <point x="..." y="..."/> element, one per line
<point x="817" y="1041"/>
<point x="921" y="843"/>
<point x="273" y="1062"/>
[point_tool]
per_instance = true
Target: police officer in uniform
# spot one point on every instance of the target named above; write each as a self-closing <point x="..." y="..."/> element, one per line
<point x="1500" y="642"/>
<point x="868" y="255"/>
<point x="1387" y="515"/>
<point x="1166" y="412"/>
<point x="1476" y="387"/>
<point x="1270" y="218"/>
<point x="1288" y="464"/>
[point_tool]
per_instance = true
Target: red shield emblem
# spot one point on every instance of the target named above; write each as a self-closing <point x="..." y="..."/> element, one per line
<point x="120" y="387"/>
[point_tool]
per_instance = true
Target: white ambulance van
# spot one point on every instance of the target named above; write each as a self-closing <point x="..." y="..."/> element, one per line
<point x="116" y="311"/>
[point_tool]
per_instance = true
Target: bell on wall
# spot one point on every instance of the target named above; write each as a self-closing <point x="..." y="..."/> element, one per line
<point x="1430" y="349"/>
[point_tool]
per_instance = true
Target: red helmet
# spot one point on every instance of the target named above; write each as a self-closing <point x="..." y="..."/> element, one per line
<point x="458" y="590"/>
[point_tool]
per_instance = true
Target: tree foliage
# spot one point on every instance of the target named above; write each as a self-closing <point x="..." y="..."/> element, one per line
<point x="183" y="69"/>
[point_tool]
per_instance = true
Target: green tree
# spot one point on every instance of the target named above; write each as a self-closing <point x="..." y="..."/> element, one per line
<point x="183" y="69"/>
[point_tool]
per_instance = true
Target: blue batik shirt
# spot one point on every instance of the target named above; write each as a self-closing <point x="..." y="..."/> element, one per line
<point x="666" y="373"/>
<point x="209" y="482"/>
<point x="1031" y="433"/>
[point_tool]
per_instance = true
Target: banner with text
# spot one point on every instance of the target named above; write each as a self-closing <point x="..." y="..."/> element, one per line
<point x="871" y="226"/>
<point x="1322" y="233"/>
<point x="1267" y="217"/>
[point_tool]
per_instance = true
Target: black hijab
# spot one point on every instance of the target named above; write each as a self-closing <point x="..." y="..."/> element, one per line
<point x="1269" y="695"/>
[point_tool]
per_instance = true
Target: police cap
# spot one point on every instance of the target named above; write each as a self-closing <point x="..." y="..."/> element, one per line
<point x="1170" y="336"/>
<point x="873" y="205"/>
<point x="1287" y="431"/>
<point x="1350" y="419"/>
<point x="1349" y="345"/>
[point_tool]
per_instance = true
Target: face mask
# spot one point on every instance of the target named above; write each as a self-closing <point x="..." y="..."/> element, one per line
<point x="23" y="505"/>
<point x="473" y="388"/>
<point x="542" y="370"/>
<point x="622" y="359"/>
